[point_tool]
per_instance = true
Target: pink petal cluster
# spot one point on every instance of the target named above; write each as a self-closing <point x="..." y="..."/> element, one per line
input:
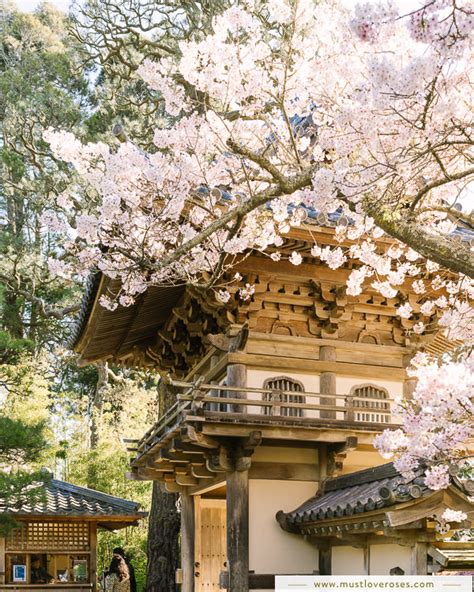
<point x="438" y="420"/>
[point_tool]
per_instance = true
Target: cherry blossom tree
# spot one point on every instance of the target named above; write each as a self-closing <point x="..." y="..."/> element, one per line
<point x="438" y="421"/>
<point x="290" y="107"/>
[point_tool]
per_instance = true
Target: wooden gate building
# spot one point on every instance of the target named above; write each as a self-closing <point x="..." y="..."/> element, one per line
<point x="54" y="545"/>
<point x="273" y="396"/>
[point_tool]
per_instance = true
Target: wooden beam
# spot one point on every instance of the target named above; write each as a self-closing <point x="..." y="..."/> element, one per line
<point x="202" y="472"/>
<point x="208" y="485"/>
<point x="317" y="366"/>
<point x="178" y="446"/>
<point x="284" y="471"/>
<point x="238" y="530"/>
<point x="179" y="457"/>
<point x="171" y="487"/>
<point x="199" y="438"/>
<point x="437" y="556"/>
<point x="187" y="542"/>
<point x="186" y="480"/>
<point x="419" y="559"/>
<point x="293" y="433"/>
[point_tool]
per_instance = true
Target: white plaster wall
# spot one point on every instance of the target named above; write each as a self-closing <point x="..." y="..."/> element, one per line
<point x="383" y="557"/>
<point x="358" y="460"/>
<point x="256" y="378"/>
<point x="347" y="561"/>
<point x="271" y="549"/>
<point x="285" y="454"/>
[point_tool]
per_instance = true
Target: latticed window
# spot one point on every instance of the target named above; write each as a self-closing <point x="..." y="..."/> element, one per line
<point x="374" y="408"/>
<point x="51" y="536"/>
<point x="278" y="386"/>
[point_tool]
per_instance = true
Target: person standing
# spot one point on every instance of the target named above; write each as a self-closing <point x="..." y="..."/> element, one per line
<point x="118" y="578"/>
<point x="133" y="581"/>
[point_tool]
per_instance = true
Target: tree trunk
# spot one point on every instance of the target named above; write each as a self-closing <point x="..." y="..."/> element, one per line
<point x="164" y="524"/>
<point x="95" y="410"/>
<point x="163" y="547"/>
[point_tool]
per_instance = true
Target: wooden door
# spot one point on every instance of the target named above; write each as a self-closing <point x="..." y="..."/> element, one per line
<point x="211" y="543"/>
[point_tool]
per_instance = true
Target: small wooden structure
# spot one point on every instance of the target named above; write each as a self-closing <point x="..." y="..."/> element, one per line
<point x="54" y="546"/>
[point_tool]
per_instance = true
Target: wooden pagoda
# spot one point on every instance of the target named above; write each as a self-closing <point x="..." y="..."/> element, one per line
<point x="273" y="396"/>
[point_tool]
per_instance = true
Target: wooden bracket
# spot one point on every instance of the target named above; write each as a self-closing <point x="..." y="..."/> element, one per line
<point x="226" y="343"/>
<point x="195" y="436"/>
<point x="337" y="455"/>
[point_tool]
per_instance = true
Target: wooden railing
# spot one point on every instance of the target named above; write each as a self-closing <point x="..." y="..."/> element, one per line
<point x="219" y="401"/>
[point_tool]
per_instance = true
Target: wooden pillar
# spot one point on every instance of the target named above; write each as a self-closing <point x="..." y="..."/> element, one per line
<point x="409" y="386"/>
<point x="419" y="559"/>
<point x="325" y="567"/>
<point x="237" y="376"/>
<point x="213" y="392"/>
<point x="2" y="560"/>
<point x="93" y="555"/>
<point x="323" y="463"/>
<point x="366" y="551"/>
<point x="238" y="530"/>
<point x="327" y="381"/>
<point x="187" y="542"/>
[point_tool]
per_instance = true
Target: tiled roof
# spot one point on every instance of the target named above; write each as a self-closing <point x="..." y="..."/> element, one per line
<point x="356" y="493"/>
<point x="64" y="499"/>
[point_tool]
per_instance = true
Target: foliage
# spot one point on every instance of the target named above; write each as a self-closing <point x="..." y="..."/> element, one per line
<point x="108" y="465"/>
<point x="22" y="445"/>
<point x="44" y="81"/>
<point x="39" y="86"/>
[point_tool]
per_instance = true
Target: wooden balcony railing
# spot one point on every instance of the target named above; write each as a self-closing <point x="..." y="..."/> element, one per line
<point x="212" y="401"/>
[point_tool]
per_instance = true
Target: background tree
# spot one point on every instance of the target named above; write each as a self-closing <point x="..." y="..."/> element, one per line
<point x="43" y="82"/>
<point x="24" y="436"/>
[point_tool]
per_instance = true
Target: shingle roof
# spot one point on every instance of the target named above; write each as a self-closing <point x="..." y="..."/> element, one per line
<point x="356" y="493"/>
<point x="68" y="500"/>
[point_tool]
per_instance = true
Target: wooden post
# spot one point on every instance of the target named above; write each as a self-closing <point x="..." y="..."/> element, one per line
<point x="197" y="544"/>
<point x="237" y="376"/>
<point x="408" y="387"/>
<point x="325" y="567"/>
<point x="187" y="542"/>
<point x="214" y="393"/>
<point x="366" y="551"/>
<point x="322" y="463"/>
<point x="93" y="555"/>
<point x="2" y="561"/>
<point x="238" y="530"/>
<point x="327" y="381"/>
<point x="419" y="559"/>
